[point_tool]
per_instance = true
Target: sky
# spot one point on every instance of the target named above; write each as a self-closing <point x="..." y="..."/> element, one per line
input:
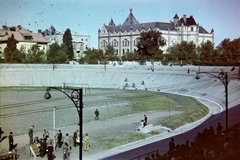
<point x="86" y="17"/>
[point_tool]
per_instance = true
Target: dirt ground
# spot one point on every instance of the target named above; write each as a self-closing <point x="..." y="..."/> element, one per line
<point x="20" y="110"/>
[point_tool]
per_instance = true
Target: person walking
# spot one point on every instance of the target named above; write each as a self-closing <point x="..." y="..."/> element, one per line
<point x="49" y="151"/>
<point x="30" y="134"/>
<point x="96" y="114"/>
<point x="86" y="146"/>
<point x="75" y="138"/>
<point x="10" y="141"/>
<point x="59" y="139"/>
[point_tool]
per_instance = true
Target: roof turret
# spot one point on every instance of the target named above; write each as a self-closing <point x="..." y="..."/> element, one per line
<point x="130" y="20"/>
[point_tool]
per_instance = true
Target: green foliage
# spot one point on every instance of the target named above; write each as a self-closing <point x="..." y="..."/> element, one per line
<point x="230" y="51"/>
<point x="57" y="54"/>
<point x="92" y="56"/>
<point x="35" y="55"/>
<point x="109" y="53"/>
<point x="11" y="53"/>
<point x="149" y="44"/>
<point x="185" y="51"/>
<point x="67" y="40"/>
<point x="106" y="143"/>
<point x="130" y="56"/>
<point x="206" y="51"/>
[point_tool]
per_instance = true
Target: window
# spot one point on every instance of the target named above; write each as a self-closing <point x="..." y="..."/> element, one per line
<point x="103" y="43"/>
<point x="116" y="51"/>
<point x="191" y="28"/>
<point x="123" y="52"/>
<point x="125" y="42"/>
<point x="136" y="41"/>
<point x="115" y="43"/>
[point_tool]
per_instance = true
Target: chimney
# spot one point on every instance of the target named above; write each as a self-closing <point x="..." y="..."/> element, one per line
<point x="184" y="18"/>
<point x="4" y="27"/>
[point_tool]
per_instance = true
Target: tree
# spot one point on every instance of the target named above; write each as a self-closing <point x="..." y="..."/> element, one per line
<point x="35" y="55"/>
<point x="185" y="51"/>
<point x="109" y="53"/>
<point x="67" y="40"/>
<point x="149" y="44"/>
<point x="92" y="56"/>
<point x="131" y="56"/>
<point x="206" y="51"/>
<point x="230" y="50"/>
<point x="57" y="54"/>
<point x="11" y="53"/>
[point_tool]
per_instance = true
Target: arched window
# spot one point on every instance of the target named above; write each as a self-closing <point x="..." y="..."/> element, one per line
<point x="136" y="41"/>
<point x="115" y="43"/>
<point x="103" y="43"/>
<point x="125" y="42"/>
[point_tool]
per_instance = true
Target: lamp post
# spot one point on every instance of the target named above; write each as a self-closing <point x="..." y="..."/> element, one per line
<point x="223" y="77"/>
<point x="76" y="98"/>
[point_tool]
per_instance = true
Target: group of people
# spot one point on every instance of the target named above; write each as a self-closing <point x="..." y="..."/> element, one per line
<point x="11" y="144"/>
<point x="143" y="123"/>
<point x="207" y="145"/>
<point x="46" y="146"/>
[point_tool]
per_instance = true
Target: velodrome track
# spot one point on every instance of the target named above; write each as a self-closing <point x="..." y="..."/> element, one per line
<point x="173" y="79"/>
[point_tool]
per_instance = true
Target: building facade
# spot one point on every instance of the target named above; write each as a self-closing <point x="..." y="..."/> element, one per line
<point x="80" y="43"/>
<point x="124" y="38"/>
<point x="25" y="38"/>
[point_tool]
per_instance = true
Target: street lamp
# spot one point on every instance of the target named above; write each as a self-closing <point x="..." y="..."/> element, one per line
<point x="223" y="77"/>
<point x="76" y="98"/>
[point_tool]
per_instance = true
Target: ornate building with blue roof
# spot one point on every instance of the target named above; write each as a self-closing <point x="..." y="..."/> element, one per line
<point x="124" y="38"/>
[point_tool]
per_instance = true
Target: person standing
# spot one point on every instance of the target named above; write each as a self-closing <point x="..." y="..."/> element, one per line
<point x="1" y="132"/>
<point x="86" y="146"/>
<point x="66" y="139"/>
<point x="49" y="151"/>
<point x="66" y="151"/>
<point x="75" y="138"/>
<point x="59" y="139"/>
<point x="96" y="114"/>
<point x="145" y="120"/>
<point x="10" y="141"/>
<point x="219" y="129"/>
<point x="30" y="134"/>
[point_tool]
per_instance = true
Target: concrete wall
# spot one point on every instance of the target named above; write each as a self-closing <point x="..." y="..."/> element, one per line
<point x="174" y="79"/>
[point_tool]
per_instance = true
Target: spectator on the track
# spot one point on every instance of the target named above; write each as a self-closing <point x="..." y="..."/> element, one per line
<point x="1" y="132"/>
<point x="30" y="134"/>
<point x="141" y="125"/>
<point x="96" y="114"/>
<point x="145" y="120"/>
<point x="66" y="139"/>
<point x="45" y="134"/>
<point x="75" y="134"/>
<point x="11" y="140"/>
<point x="59" y="139"/>
<point x="49" y="151"/>
<point x="86" y="145"/>
<point x="66" y="151"/>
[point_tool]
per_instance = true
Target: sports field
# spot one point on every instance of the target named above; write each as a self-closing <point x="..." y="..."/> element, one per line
<point x="120" y="113"/>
